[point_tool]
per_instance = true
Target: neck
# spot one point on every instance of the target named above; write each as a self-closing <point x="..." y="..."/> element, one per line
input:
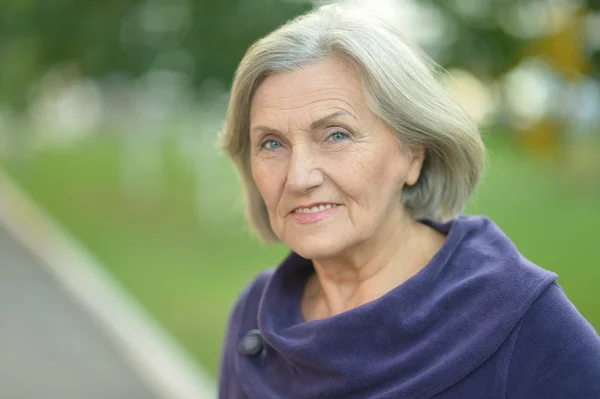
<point x="370" y="269"/>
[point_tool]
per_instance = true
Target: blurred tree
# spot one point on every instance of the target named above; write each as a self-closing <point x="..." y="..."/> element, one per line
<point x="488" y="37"/>
<point x="565" y="54"/>
<point x="205" y="38"/>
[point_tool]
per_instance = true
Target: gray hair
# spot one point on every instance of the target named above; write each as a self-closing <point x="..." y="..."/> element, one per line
<point x="400" y="86"/>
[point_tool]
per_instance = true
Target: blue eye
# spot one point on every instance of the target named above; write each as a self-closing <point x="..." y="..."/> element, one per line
<point x="339" y="136"/>
<point x="270" y="144"/>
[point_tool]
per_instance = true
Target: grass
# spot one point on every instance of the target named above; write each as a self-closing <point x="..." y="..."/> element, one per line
<point x="175" y="236"/>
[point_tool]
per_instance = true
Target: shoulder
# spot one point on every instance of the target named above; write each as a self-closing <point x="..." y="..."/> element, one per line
<point x="554" y="322"/>
<point x="556" y="353"/>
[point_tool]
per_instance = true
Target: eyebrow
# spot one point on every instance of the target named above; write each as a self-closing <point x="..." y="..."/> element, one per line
<point x="313" y="125"/>
<point x="322" y="121"/>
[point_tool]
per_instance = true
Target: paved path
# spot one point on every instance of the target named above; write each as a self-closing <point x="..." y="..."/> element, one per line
<point x="49" y="346"/>
<point x="68" y="329"/>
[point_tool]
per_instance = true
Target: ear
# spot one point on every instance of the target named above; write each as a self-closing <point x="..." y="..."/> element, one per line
<point x="417" y="157"/>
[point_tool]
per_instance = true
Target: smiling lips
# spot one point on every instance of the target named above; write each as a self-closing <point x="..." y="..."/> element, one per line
<point x="314" y="213"/>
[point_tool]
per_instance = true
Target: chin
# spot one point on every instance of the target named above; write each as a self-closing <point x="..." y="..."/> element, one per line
<point x="315" y="247"/>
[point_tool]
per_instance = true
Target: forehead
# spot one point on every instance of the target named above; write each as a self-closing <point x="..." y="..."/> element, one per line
<point x="323" y="85"/>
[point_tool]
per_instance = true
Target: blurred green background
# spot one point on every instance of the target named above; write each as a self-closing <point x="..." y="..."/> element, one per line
<point x="109" y="112"/>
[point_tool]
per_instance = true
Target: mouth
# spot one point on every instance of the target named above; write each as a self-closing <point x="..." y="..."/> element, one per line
<point x="314" y="213"/>
<point x="314" y="208"/>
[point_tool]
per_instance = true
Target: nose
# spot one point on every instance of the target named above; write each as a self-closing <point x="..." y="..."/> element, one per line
<point x="303" y="174"/>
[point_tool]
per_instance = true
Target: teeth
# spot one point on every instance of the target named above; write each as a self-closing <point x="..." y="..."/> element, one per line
<point x="315" y="209"/>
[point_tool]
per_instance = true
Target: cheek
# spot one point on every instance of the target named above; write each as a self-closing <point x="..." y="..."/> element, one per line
<point x="371" y="166"/>
<point x="392" y="164"/>
<point x="371" y="175"/>
<point x="268" y="181"/>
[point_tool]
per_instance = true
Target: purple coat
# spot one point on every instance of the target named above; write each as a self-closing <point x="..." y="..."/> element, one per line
<point x="479" y="321"/>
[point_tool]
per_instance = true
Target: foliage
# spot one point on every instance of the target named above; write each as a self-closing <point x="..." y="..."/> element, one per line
<point x="105" y="37"/>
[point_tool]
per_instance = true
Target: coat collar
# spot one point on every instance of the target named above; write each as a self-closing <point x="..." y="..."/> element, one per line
<point x="414" y="341"/>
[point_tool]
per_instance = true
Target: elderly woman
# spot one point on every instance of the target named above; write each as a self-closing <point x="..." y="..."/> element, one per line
<point x="354" y="157"/>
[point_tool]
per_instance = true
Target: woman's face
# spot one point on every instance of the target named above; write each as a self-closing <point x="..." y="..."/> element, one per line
<point x="329" y="170"/>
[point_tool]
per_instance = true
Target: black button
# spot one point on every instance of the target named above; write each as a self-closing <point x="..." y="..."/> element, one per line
<point x="250" y="344"/>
